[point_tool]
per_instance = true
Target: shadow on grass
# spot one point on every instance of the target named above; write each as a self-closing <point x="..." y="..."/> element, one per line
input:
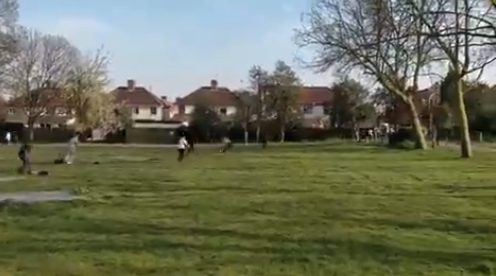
<point x="462" y="188"/>
<point x="440" y="225"/>
<point x="135" y="237"/>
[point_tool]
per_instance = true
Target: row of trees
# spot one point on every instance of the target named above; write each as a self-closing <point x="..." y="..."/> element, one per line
<point x="271" y="96"/>
<point x="42" y="70"/>
<point x="397" y="42"/>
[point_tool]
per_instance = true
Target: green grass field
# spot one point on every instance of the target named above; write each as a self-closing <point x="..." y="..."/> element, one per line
<point x="296" y="210"/>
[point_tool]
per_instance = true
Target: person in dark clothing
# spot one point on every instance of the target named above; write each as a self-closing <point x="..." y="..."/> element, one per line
<point x="263" y="141"/>
<point x="24" y="155"/>
<point x="188" y="135"/>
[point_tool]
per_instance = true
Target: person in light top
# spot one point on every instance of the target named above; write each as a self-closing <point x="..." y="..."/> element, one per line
<point x="71" y="149"/>
<point x="226" y="144"/>
<point x="182" y="145"/>
<point x="8" y="137"/>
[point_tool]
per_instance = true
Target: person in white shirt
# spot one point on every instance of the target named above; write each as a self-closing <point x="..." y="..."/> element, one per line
<point x="8" y="137"/>
<point x="71" y="149"/>
<point x="181" y="147"/>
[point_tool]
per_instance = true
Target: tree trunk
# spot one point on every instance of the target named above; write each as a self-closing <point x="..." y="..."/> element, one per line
<point x="465" y="143"/>
<point x="420" y="142"/>
<point x="283" y="134"/>
<point x="31" y="132"/>
<point x="246" y="137"/>
<point x="258" y="132"/>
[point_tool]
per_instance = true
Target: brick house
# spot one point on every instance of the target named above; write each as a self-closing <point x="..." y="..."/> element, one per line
<point x="423" y="100"/>
<point x="49" y="104"/>
<point x="315" y="103"/>
<point x="219" y="99"/>
<point x="143" y="104"/>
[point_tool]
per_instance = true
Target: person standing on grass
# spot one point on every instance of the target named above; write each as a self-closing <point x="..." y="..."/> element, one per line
<point x="191" y="142"/>
<point x="263" y="141"/>
<point x="182" y="146"/>
<point x="226" y="144"/>
<point x="8" y="137"/>
<point x="71" y="149"/>
<point x="24" y="155"/>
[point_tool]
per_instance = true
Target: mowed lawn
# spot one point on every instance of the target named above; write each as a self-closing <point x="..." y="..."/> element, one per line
<point x="315" y="210"/>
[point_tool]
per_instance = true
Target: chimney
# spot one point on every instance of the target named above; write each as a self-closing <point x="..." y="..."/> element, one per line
<point x="214" y="84"/>
<point x="131" y="84"/>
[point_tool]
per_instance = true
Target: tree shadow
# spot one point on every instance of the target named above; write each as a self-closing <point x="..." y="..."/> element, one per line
<point x="462" y="188"/>
<point x="441" y="225"/>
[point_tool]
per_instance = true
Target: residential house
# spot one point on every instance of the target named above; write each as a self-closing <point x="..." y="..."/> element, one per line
<point x="143" y="104"/>
<point x="167" y="108"/>
<point x="219" y="99"/>
<point x="50" y="108"/>
<point x="315" y="103"/>
<point x="425" y="100"/>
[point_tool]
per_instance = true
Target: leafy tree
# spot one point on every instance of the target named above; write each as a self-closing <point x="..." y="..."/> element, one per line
<point x="350" y="105"/>
<point x="204" y="120"/>
<point x="282" y="96"/>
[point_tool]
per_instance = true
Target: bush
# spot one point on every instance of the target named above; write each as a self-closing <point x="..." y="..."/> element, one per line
<point x="402" y="139"/>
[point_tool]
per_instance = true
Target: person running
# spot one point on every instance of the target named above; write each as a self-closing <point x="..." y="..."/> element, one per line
<point x="226" y="144"/>
<point x="8" y="137"/>
<point x="182" y="146"/>
<point x="71" y="149"/>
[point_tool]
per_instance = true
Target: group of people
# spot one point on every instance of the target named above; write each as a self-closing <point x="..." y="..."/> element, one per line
<point x="24" y="155"/>
<point x="186" y="146"/>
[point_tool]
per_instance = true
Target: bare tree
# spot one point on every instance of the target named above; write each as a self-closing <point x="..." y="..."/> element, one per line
<point x="465" y="32"/>
<point x="34" y="76"/>
<point x="8" y="22"/>
<point x="245" y="111"/>
<point x="259" y="79"/>
<point x="379" y="38"/>
<point x="84" y="86"/>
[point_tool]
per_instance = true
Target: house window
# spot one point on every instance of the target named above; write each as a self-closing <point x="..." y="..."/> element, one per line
<point x="153" y="111"/>
<point x="136" y="110"/>
<point x="307" y="109"/>
<point x="12" y="111"/>
<point x="223" y="110"/>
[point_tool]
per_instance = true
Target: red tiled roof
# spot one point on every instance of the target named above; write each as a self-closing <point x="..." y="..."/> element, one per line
<point x="211" y="96"/>
<point x="136" y="96"/>
<point x="316" y="95"/>
<point x="310" y="95"/>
